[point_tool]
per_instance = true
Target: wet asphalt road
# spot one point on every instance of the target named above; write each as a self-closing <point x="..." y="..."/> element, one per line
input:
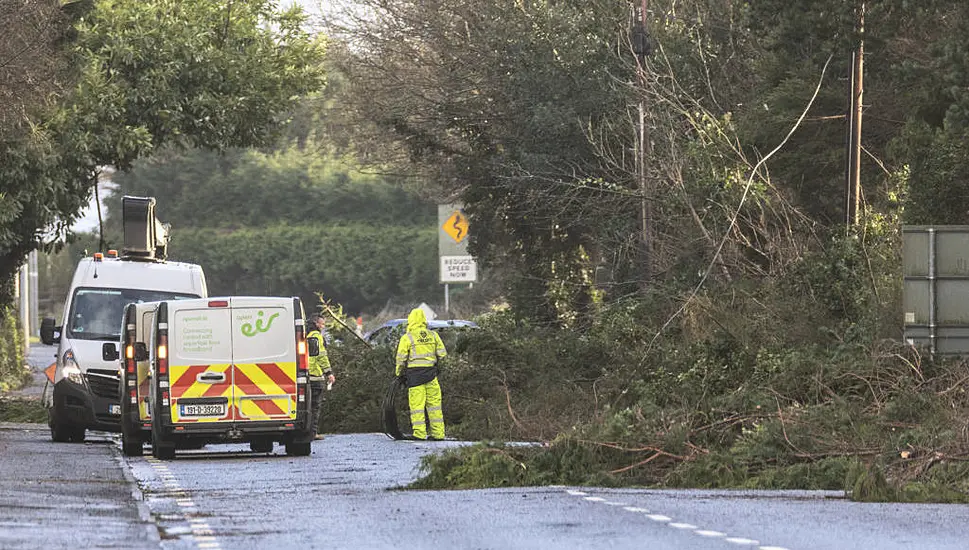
<point x="68" y="495"/>
<point x="344" y="496"/>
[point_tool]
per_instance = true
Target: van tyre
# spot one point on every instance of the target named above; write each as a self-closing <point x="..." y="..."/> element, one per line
<point x="163" y="451"/>
<point x="78" y="435"/>
<point x="161" y="448"/>
<point x="262" y="446"/>
<point x="130" y="445"/>
<point x="59" y="433"/>
<point x="299" y="449"/>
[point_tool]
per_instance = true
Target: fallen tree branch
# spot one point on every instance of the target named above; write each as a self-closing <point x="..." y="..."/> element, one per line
<point x="511" y="412"/>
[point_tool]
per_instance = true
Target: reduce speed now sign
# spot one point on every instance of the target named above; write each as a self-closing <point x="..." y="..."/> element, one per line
<point x="457" y="266"/>
<point x="458" y="269"/>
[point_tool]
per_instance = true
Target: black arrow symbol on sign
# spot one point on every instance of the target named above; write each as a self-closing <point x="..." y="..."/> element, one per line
<point x="458" y="218"/>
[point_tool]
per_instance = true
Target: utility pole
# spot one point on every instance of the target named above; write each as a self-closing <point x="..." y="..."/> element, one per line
<point x="853" y="183"/>
<point x="23" y="293"/>
<point x="641" y="47"/>
<point x="34" y="278"/>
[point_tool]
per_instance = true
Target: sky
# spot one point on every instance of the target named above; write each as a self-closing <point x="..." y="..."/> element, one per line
<point x="89" y="216"/>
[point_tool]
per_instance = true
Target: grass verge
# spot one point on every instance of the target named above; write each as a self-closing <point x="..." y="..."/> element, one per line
<point x="22" y="409"/>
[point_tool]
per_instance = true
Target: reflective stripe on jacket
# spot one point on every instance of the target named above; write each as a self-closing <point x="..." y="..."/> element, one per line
<point x="319" y="365"/>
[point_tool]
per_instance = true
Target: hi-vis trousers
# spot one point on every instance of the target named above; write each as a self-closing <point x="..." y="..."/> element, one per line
<point x="428" y="395"/>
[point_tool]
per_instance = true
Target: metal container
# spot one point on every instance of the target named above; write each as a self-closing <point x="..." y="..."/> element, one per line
<point x="935" y="295"/>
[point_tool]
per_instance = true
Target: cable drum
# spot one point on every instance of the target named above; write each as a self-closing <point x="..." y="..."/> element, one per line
<point x="389" y="420"/>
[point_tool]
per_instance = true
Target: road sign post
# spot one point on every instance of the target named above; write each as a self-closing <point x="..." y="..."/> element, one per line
<point x="455" y="264"/>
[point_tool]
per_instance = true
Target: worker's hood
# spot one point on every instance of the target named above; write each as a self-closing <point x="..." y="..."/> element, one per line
<point x="416" y="320"/>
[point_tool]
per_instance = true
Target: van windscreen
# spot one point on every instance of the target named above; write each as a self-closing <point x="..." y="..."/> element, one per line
<point x="97" y="313"/>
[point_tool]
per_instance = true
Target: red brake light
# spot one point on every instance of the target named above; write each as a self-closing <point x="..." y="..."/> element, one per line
<point x="218" y="303"/>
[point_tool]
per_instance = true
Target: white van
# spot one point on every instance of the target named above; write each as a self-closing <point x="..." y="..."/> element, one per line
<point x="85" y="389"/>
<point x="230" y="369"/>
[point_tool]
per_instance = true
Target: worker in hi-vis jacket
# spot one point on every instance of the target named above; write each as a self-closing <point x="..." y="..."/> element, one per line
<point x="419" y="353"/>
<point x="320" y="372"/>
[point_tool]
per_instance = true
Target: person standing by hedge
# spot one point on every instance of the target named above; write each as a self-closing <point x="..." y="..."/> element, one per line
<point x="419" y="353"/>
<point x="320" y="372"/>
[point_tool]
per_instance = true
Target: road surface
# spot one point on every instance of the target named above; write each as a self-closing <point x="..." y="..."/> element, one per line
<point x="346" y="495"/>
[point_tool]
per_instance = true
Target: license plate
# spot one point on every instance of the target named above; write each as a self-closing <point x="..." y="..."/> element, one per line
<point x="114" y="409"/>
<point x="207" y="409"/>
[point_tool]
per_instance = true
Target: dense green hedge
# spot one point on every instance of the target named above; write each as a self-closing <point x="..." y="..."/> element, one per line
<point x="361" y="266"/>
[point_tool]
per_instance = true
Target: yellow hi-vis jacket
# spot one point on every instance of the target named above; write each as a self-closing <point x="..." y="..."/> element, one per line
<point x="419" y="351"/>
<point x="319" y="366"/>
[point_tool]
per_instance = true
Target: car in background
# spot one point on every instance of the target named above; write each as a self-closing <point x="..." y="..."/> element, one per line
<point x="389" y="333"/>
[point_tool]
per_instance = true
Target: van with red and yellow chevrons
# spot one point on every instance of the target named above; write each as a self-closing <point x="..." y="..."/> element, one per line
<point x="231" y="369"/>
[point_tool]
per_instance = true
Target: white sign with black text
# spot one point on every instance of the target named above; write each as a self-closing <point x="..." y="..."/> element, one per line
<point x="458" y="269"/>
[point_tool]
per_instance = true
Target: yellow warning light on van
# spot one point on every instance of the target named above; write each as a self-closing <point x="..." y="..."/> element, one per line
<point x="112" y="253"/>
<point x="98" y="256"/>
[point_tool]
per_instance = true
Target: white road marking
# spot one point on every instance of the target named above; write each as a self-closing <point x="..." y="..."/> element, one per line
<point x="202" y="535"/>
<point x="676" y="525"/>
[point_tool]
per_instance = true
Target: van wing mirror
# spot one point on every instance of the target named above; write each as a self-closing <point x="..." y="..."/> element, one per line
<point x="313" y="344"/>
<point x="141" y="351"/>
<point x="48" y="328"/>
<point x="109" y="351"/>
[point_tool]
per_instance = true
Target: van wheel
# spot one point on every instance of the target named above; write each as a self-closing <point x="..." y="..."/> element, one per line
<point x="130" y="445"/>
<point x="298" y="449"/>
<point x="261" y="445"/>
<point x="58" y="432"/>
<point x="161" y="448"/>
<point x="132" y="448"/>
<point x="162" y="451"/>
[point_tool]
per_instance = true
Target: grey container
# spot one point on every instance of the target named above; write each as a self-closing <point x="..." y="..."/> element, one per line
<point x="935" y="296"/>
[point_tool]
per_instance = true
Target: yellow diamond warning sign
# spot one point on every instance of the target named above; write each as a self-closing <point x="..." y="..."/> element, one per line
<point x="456" y="226"/>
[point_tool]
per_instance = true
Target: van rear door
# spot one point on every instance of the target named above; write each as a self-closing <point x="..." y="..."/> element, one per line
<point x="200" y="361"/>
<point x="145" y="314"/>
<point x="264" y="355"/>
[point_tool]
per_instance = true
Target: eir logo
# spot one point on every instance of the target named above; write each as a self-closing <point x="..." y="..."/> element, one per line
<point x="248" y="330"/>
